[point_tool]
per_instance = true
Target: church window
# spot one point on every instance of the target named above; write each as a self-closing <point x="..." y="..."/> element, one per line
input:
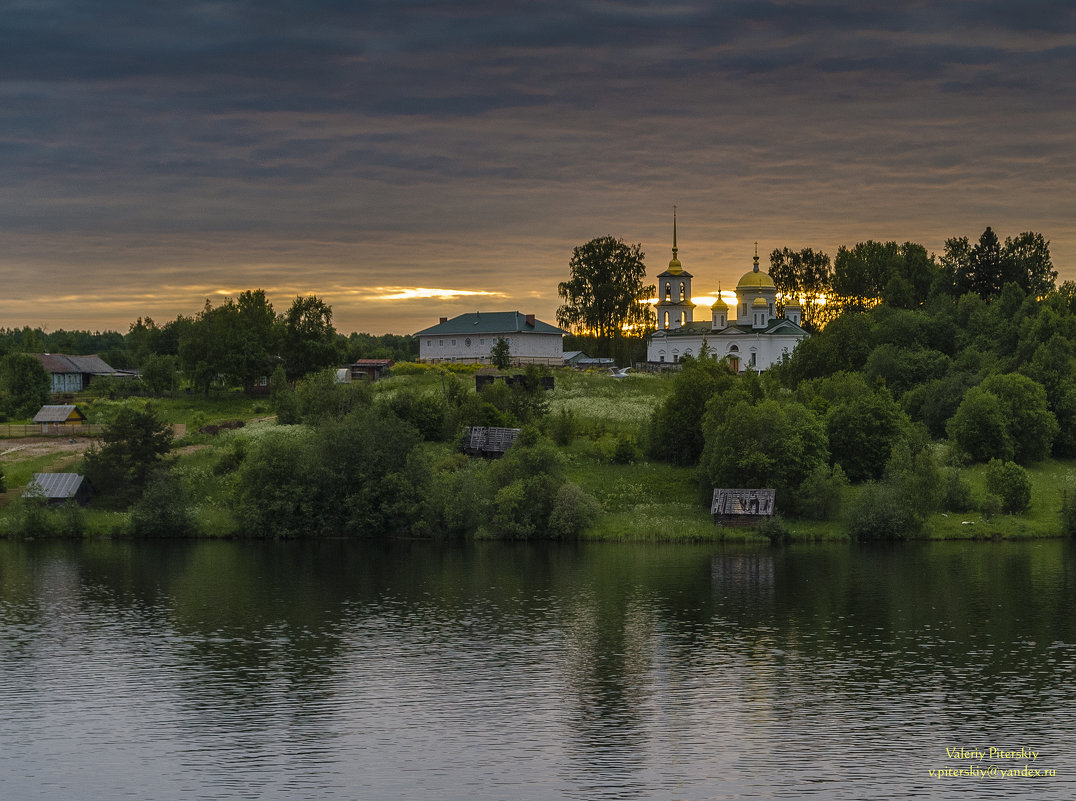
<point x="734" y="349"/>
<point x="681" y="291"/>
<point x="440" y="343"/>
<point x="666" y="320"/>
<point x="683" y="318"/>
<point x="753" y="357"/>
<point x="453" y="343"/>
<point x="668" y="291"/>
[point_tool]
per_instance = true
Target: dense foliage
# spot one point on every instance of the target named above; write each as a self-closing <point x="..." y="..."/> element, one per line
<point x="976" y="350"/>
<point x="605" y="293"/>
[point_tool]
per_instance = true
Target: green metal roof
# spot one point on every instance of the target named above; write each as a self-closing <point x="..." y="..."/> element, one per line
<point x="778" y="325"/>
<point x="490" y="323"/>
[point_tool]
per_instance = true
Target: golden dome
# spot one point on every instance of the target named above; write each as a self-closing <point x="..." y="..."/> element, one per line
<point x="756" y="279"/>
<point x="719" y="303"/>
<point x="760" y="303"/>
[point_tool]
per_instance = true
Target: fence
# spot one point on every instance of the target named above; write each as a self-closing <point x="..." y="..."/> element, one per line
<point x="14" y="430"/>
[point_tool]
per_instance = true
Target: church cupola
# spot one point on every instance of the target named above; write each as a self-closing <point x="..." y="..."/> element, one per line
<point x="720" y="313"/>
<point x="752" y="287"/>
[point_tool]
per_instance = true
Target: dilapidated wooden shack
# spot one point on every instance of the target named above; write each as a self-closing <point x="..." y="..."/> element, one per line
<point x="488" y="440"/>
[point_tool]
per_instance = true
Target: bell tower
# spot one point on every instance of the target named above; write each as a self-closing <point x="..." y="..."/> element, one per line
<point x="674" y="308"/>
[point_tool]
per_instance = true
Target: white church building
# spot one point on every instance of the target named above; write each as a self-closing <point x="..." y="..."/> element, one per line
<point x="757" y="338"/>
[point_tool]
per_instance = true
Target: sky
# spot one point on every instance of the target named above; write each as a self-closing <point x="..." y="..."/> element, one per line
<point x="406" y="161"/>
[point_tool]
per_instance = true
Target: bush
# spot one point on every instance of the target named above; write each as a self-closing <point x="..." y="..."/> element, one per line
<point x="625" y="451"/>
<point x="33" y="516"/>
<point x="821" y="493"/>
<point x="880" y="513"/>
<point x="562" y="427"/>
<point x="426" y="411"/>
<point x="164" y="509"/>
<point x="775" y="530"/>
<point x="1009" y="482"/>
<point x="956" y="492"/>
<point x="1068" y="515"/>
<point x="573" y="511"/>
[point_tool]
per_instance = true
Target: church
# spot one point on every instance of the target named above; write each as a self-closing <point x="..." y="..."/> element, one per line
<point x="755" y="340"/>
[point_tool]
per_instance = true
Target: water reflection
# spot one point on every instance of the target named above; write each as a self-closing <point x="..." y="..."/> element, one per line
<point x="423" y="670"/>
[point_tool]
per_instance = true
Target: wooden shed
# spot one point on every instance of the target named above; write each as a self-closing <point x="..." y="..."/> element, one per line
<point x="58" y="417"/>
<point x="59" y="487"/>
<point x="488" y="441"/>
<point x="369" y="369"/>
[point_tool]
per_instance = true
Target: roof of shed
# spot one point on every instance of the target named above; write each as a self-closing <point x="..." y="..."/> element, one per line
<point x="56" y="485"/>
<point x="56" y="413"/>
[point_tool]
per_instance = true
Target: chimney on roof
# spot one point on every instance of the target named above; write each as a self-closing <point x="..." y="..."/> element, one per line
<point x="444" y="319"/>
<point x="530" y="320"/>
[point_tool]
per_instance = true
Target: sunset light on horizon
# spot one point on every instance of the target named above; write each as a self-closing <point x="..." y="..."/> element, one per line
<point x="407" y="162"/>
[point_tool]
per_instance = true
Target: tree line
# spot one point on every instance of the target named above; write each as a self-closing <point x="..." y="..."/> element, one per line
<point x="234" y="344"/>
<point x="606" y="298"/>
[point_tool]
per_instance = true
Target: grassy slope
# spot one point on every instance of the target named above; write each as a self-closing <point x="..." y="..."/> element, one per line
<point x="643" y="501"/>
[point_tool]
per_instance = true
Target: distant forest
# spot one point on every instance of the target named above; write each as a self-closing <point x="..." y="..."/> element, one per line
<point x="248" y="326"/>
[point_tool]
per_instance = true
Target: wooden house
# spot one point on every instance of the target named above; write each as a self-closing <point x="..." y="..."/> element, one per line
<point x="74" y="373"/>
<point x="58" y="417"/>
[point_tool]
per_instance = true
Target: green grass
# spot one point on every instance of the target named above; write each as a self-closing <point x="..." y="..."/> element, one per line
<point x="18" y="472"/>
<point x="1049" y="480"/>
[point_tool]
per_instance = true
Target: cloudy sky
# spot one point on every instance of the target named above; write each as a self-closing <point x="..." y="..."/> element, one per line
<point x="410" y="160"/>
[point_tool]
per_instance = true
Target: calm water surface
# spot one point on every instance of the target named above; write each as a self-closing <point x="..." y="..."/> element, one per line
<point x="333" y="670"/>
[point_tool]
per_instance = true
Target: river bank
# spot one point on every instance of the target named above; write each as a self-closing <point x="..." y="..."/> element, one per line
<point x="639" y="500"/>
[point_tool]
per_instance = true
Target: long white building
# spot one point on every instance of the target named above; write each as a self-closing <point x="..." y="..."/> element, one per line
<point x="469" y="338"/>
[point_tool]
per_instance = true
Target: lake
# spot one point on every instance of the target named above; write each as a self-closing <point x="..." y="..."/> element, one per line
<point x="357" y="670"/>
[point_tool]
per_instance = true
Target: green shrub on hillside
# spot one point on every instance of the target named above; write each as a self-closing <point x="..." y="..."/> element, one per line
<point x="1011" y="483"/>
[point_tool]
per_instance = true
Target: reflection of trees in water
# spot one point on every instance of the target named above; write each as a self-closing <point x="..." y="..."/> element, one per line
<point x="624" y="657"/>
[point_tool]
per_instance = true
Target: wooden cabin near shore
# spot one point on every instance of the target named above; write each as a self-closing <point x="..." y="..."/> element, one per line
<point x="59" y="488"/>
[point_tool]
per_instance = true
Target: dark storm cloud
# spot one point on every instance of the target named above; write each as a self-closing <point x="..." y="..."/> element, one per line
<point x="358" y="144"/>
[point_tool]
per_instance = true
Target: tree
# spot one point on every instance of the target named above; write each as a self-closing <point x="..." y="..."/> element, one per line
<point x="979" y="428"/>
<point x="862" y="432"/>
<point x="769" y="444"/>
<point x="1028" y="263"/>
<point x="309" y="339"/>
<point x="135" y="446"/>
<point x="675" y="431"/>
<point x="988" y="265"/>
<point x="24" y="385"/>
<point x="605" y="293"/>
<point x="159" y="373"/>
<point x="1011" y="483"/>
<point x="805" y="275"/>
<point x="501" y="354"/>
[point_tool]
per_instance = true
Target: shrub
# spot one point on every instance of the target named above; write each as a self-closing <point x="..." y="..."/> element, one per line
<point x="775" y="530"/>
<point x="1009" y="482"/>
<point x="625" y="451"/>
<point x="573" y="511"/>
<point x="1068" y="515"/>
<point x="956" y="492"/>
<point x="821" y="493"/>
<point x="880" y="513"/>
<point x="426" y="411"/>
<point x="562" y="427"/>
<point x="164" y="509"/>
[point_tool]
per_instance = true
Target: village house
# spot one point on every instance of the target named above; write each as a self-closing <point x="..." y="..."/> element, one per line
<point x="469" y="338"/>
<point x="73" y="373"/>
